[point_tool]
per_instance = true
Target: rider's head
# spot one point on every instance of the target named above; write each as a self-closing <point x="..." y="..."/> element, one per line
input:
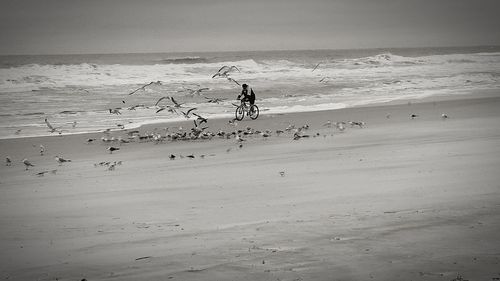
<point x="244" y="86"/>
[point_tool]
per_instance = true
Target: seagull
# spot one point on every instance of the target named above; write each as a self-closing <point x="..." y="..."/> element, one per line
<point x="176" y="104"/>
<point x="171" y="157"/>
<point x="8" y="161"/>
<point x="115" y="111"/>
<point x="18" y="132"/>
<point x="42" y="149"/>
<point x="444" y="116"/>
<point x="112" y="148"/>
<point x="328" y="124"/>
<point x="73" y="125"/>
<point x="197" y="92"/>
<point x="413" y="116"/>
<point x="356" y="123"/>
<point x="144" y="87"/>
<point x="201" y="119"/>
<point x="282" y="173"/>
<point x="90" y="140"/>
<point x="170" y="109"/>
<point x="160" y="99"/>
<point x="41" y="174"/>
<point x="214" y="100"/>
<point x="27" y="163"/>
<point x="316" y="67"/>
<point x="224" y="71"/>
<point x="186" y="114"/>
<point x="61" y="160"/>
<point x="51" y="128"/>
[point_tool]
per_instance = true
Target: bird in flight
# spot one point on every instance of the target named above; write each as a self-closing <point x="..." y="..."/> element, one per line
<point x="176" y="104"/>
<point x="51" y="128"/>
<point x="197" y="91"/>
<point x="200" y="118"/>
<point x="158" y="83"/>
<point x="224" y="71"/>
<point x="214" y="100"/>
<point x="160" y="99"/>
<point x="186" y="114"/>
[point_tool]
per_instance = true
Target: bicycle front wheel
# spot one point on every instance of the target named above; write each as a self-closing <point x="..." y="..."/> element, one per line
<point x="253" y="112"/>
<point x="240" y="113"/>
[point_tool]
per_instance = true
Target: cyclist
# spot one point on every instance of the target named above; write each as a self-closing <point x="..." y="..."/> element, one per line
<point x="246" y="96"/>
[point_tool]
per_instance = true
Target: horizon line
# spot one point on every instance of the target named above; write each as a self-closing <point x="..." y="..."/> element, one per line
<point x="237" y="51"/>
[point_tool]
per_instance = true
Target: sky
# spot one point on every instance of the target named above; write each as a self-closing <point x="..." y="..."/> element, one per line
<point x="127" y="26"/>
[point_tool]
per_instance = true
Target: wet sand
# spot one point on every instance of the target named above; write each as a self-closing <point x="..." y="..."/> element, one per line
<point x="400" y="199"/>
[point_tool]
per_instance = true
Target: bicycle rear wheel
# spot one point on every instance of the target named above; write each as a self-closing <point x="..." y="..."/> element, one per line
<point x="253" y="112"/>
<point x="240" y="113"/>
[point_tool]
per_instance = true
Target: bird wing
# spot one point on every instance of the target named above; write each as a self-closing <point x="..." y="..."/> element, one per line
<point x="316" y="66"/>
<point x="234" y="67"/>
<point x="161" y="109"/>
<point x="174" y="101"/>
<point x="141" y="88"/>
<point x="191" y="109"/>
<point x="219" y="71"/>
<point x="160" y="99"/>
<point x="48" y="124"/>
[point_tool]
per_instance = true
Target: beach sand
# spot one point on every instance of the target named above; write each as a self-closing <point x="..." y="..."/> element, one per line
<point x="400" y="199"/>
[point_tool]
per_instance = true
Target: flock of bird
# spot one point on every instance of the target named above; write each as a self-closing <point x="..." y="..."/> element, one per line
<point x="195" y="133"/>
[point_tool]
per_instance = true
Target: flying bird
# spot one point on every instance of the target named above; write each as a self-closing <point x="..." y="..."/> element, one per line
<point x="200" y="118"/>
<point x="176" y="104"/>
<point x="186" y="114"/>
<point x="197" y="91"/>
<point x="51" y="128"/>
<point x="144" y="87"/>
<point x="224" y="71"/>
<point x="444" y="116"/>
<point x="160" y="99"/>
<point x="316" y="67"/>
<point x="214" y="100"/>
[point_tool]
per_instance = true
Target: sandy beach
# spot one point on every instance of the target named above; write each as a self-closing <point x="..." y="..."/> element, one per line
<point x="399" y="199"/>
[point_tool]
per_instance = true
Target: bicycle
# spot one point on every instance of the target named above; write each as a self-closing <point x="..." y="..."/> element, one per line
<point x="251" y="110"/>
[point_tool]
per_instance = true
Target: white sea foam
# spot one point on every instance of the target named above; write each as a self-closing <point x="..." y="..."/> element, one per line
<point x="84" y="92"/>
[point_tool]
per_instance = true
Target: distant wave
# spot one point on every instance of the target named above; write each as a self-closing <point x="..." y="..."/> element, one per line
<point x="184" y="60"/>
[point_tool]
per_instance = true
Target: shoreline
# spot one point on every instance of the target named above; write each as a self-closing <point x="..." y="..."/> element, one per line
<point x="176" y="123"/>
<point x="399" y="199"/>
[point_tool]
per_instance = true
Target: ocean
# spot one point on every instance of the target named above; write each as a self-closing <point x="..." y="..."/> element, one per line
<point x="75" y="92"/>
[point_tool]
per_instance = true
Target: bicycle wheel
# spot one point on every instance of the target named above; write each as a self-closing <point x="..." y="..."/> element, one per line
<point x="239" y="113"/>
<point x="253" y="112"/>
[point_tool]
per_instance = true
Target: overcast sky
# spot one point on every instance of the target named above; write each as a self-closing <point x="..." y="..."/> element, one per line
<point x="118" y="26"/>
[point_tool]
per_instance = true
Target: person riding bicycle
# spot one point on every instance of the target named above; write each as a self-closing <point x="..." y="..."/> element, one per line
<point x="246" y="96"/>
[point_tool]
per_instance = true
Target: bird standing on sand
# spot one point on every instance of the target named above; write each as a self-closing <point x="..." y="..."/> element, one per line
<point x="444" y="116"/>
<point x="42" y="149"/>
<point x="115" y="111"/>
<point x="112" y="148"/>
<point x="61" y="160"/>
<point x="27" y="163"/>
<point x="413" y="116"/>
<point x="8" y="161"/>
